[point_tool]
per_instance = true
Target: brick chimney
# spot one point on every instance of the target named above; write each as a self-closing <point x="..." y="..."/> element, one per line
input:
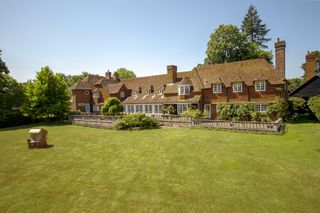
<point x="310" y="65"/>
<point x="280" y="47"/>
<point x="116" y="76"/>
<point x="172" y="73"/>
<point x="108" y="75"/>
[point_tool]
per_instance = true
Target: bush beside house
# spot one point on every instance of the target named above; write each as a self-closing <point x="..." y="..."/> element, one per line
<point x="136" y="121"/>
<point x="112" y="107"/>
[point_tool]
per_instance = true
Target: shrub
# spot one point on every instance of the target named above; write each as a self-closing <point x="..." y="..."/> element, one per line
<point x="138" y="120"/>
<point x="194" y="113"/>
<point x="277" y="109"/>
<point x="112" y="106"/>
<point x="169" y="110"/>
<point x="243" y="111"/>
<point x="314" y="105"/>
<point x="226" y="112"/>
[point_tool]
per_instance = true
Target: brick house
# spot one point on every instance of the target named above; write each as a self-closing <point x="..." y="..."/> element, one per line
<point x="205" y="87"/>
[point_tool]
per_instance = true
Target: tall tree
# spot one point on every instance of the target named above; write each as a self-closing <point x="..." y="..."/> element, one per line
<point x="125" y="73"/>
<point x="11" y="96"/>
<point x="47" y="95"/>
<point x="3" y="67"/>
<point x="228" y="44"/>
<point x="71" y="79"/>
<point x="254" y="29"/>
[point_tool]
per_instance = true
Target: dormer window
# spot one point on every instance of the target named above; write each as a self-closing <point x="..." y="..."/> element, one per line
<point x="95" y="95"/>
<point x="140" y="90"/>
<point x="260" y="85"/>
<point x="237" y="87"/>
<point x="151" y="89"/>
<point x="183" y="90"/>
<point x="216" y="88"/>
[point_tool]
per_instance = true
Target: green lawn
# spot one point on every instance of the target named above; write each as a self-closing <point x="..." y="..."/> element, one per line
<point x="163" y="170"/>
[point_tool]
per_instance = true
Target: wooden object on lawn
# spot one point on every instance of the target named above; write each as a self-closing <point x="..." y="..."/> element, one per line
<point x="38" y="138"/>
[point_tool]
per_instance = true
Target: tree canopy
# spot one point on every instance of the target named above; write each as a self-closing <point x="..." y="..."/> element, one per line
<point x="125" y="73"/>
<point x="47" y="95"/>
<point x="3" y="67"/>
<point x="228" y="44"/>
<point x="254" y="29"/>
<point x="72" y="79"/>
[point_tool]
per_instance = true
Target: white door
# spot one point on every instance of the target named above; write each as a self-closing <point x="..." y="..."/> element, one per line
<point x="207" y="107"/>
<point x="87" y="107"/>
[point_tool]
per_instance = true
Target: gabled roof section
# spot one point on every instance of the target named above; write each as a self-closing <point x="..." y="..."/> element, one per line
<point x="309" y="88"/>
<point x="114" y="88"/>
<point x="247" y="71"/>
<point x="87" y="82"/>
<point x="185" y="81"/>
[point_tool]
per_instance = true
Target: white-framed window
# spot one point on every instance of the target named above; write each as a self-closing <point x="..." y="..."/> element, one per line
<point x="216" y="88"/>
<point x="217" y="108"/>
<point x="261" y="107"/>
<point x="96" y="108"/>
<point x="96" y="95"/>
<point x="237" y="87"/>
<point x="158" y="109"/>
<point x="182" y="107"/>
<point x="121" y="94"/>
<point x="183" y="90"/>
<point x="139" y="108"/>
<point x="260" y="85"/>
<point x="148" y="109"/>
<point x="207" y="107"/>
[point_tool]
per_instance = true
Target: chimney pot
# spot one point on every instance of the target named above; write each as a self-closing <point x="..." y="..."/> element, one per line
<point x="108" y="75"/>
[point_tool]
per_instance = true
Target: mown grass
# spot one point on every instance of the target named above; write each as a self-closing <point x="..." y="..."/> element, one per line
<point x="162" y="170"/>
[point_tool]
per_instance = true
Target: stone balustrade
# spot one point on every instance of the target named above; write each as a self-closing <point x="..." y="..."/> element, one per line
<point x="103" y="121"/>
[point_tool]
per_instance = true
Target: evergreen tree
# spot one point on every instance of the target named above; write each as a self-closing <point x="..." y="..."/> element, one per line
<point x="254" y="29"/>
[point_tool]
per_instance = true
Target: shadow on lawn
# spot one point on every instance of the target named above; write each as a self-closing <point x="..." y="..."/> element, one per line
<point x="43" y="123"/>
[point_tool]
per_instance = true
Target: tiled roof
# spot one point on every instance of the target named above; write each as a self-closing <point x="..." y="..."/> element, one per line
<point x="87" y="82"/>
<point x="158" y="98"/>
<point x="201" y="77"/>
<point x="246" y="71"/>
<point x="114" y="88"/>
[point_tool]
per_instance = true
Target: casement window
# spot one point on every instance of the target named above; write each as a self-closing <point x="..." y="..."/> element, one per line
<point x="96" y="95"/>
<point x="261" y="107"/>
<point x="183" y="90"/>
<point x="182" y="107"/>
<point x="260" y="85"/>
<point x="217" y="108"/>
<point x="121" y="94"/>
<point x="158" y="109"/>
<point x="95" y="108"/>
<point x="139" y="108"/>
<point x="237" y="87"/>
<point x="129" y="108"/>
<point x="216" y="88"/>
<point x="148" y="109"/>
<point x="207" y="107"/>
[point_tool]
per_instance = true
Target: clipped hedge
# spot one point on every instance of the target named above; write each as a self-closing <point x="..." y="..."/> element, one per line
<point x="136" y="121"/>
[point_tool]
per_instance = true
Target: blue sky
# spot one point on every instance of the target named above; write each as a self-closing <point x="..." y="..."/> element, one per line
<point x="142" y="35"/>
